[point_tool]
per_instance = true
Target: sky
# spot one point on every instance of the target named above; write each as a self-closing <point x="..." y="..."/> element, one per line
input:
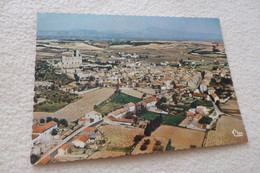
<point x="120" y="23"/>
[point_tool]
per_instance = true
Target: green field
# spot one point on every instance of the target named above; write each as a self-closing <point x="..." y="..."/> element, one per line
<point x="115" y="103"/>
<point x="48" y="107"/>
<point x="172" y="120"/>
<point x="124" y="98"/>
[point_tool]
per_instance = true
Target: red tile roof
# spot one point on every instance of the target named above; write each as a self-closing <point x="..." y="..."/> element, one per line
<point x="41" y="129"/>
<point x="200" y="112"/>
<point x="149" y="100"/>
<point x="34" y="136"/>
<point x="82" y="137"/>
<point x="112" y="118"/>
<point x="46" y="160"/>
<point x="190" y="114"/>
<point x="198" y="116"/>
<point x="125" y="120"/>
<point x="89" y="129"/>
<point x="214" y="95"/>
<point x="63" y="147"/>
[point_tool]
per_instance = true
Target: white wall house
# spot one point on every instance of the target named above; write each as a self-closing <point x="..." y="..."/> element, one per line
<point x="119" y="113"/>
<point x="81" y="141"/>
<point x="130" y="106"/>
<point x="42" y="131"/>
<point x="63" y="149"/>
<point x="93" y="116"/>
<point x="149" y="102"/>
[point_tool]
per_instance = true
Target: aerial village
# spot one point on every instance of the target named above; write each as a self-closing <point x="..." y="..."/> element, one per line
<point x="100" y="99"/>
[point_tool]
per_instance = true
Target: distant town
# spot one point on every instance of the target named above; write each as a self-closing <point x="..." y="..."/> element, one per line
<point x="99" y="99"/>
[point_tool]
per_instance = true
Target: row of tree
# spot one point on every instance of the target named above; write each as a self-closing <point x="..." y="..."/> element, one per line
<point x="63" y="122"/>
<point x="154" y="124"/>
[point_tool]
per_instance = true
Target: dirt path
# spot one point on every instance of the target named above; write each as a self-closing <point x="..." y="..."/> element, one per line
<point x="77" y="109"/>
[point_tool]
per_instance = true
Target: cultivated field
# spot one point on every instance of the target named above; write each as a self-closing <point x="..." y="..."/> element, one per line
<point x="150" y="146"/>
<point x="119" y="136"/>
<point x="223" y="134"/>
<point x="78" y="108"/>
<point x="106" y="154"/>
<point x="181" y="138"/>
<point x="231" y="107"/>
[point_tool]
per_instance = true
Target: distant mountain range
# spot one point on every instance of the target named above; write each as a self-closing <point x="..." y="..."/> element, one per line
<point x="152" y="33"/>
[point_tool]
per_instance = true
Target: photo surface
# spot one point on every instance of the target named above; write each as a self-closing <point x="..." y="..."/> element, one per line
<point x="111" y="85"/>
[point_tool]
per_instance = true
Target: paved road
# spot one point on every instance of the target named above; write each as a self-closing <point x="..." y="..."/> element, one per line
<point x="54" y="150"/>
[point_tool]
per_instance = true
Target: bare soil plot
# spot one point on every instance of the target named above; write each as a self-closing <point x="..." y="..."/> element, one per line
<point x="150" y="146"/>
<point x="231" y="107"/>
<point x="223" y="133"/>
<point x="181" y="138"/>
<point x="78" y="108"/>
<point x="106" y="154"/>
<point x="119" y="136"/>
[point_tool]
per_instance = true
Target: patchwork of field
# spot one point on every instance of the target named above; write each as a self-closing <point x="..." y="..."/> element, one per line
<point x="78" y="108"/>
<point x="181" y="138"/>
<point x="231" y="107"/>
<point x="223" y="133"/>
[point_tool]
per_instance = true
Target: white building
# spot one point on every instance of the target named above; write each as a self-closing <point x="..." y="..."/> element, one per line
<point x="130" y="106"/>
<point x="119" y="113"/>
<point x="149" y="102"/>
<point x="81" y="141"/>
<point x="63" y="149"/>
<point x="41" y="131"/>
<point x="74" y="61"/>
<point x="93" y="116"/>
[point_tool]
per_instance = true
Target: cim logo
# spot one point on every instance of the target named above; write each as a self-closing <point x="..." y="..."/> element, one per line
<point x="237" y="133"/>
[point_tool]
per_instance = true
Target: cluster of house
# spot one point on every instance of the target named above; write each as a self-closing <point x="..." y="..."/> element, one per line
<point x="193" y="116"/>
<point x="87" y="138"/>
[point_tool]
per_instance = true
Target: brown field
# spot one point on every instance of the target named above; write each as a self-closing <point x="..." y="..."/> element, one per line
<point x="78" y="108"/>
<point x="119" y="136"/>
<point x="106" y="154"/>
<point x="181" y="138"/>
<point x="150" y="147"/>
<point x="231" y="107"/>
<point x="223" y="134"/>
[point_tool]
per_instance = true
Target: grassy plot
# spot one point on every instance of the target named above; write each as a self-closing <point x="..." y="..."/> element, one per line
<point x="172" y="120"/>
<point x="124" y="98"/>
<point x="48" y="107"/>
<point x="115" y="103"/>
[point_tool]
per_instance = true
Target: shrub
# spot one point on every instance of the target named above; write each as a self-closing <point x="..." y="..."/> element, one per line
<point x="143" y="147"/>
<point x="42" y="120"/>
<point x="54" y="132"/>
<point x="49" y="119"/>
<point x="147" y="141"/>
<point x="138" y="138"/>
<point x="158" y="142"/>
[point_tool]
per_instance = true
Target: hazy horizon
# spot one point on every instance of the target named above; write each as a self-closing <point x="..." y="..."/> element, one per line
<point x="61" y="25"/>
